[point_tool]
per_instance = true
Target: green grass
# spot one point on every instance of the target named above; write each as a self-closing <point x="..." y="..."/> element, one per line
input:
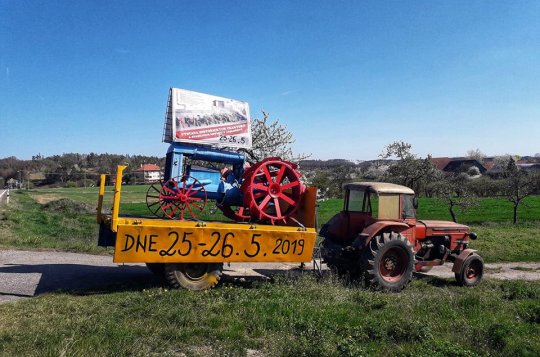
<point x="489" y="210"/>
<point x="130" y="194"/>
<point x="498" y="239"/>
<point x="508" y="243"/>
<point x="289" y="317"/>
<point x="28" y="225"/>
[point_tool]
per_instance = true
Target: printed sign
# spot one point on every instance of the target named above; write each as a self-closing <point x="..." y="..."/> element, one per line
<point x="167" y="244"/>
<point x="200" y="118"/>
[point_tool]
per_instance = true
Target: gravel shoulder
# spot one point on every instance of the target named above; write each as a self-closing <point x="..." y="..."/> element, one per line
<point x="24" y="274"/>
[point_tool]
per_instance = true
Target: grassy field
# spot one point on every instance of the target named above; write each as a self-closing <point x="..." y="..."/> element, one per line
<point x="490" y="210"/>
<point x="291" y="316"/>
<point x="498" y="239"/>
<point x="37" y="221"/>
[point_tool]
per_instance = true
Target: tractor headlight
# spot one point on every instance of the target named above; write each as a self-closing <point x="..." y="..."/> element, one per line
<point x="473" y="235"/>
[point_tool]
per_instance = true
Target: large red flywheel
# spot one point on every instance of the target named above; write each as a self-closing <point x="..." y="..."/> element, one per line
<point x="272" y="189"/>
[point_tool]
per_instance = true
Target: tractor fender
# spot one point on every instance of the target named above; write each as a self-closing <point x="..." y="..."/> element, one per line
<point x="461" y="258"/>
<point x="373" y="229"/>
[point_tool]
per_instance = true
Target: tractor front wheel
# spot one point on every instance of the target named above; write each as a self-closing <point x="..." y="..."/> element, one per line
<point x="471" y="272"/>
<point x="193" y="276"/>
<point x="390" y="262"/>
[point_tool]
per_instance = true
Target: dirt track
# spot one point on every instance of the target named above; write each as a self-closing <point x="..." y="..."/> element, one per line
<point x="24" y="274"/>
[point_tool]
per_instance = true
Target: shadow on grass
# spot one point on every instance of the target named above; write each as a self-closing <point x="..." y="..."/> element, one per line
<point x="250" y="280"/>
<point x="79" y="279"/>
<point x="435" y="280"/>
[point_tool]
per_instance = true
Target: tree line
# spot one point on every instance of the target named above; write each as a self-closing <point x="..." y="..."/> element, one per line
<point x="397" y="163"/>
<point x="68" y="169"/>
<point x="461" y="190"/>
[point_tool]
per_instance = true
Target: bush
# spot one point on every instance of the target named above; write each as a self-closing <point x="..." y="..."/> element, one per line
<point x="68" y="206"/>
<point x="71" y="184"/>
<point x="485" y="187"/>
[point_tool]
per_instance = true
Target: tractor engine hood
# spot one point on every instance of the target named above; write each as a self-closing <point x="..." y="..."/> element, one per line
<point x="443" y="226"/>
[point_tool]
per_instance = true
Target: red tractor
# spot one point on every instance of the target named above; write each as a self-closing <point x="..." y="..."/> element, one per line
<point x="377" y="238"/>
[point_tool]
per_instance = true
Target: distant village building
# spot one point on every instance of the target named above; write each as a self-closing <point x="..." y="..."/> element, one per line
<point x="529" y="167"/>
<point x="151" y="173"/>
<point x="13" y="184"/>
<point x="457" y="164"/>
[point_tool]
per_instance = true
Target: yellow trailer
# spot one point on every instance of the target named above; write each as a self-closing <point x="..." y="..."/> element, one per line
<point x="191" y="253"/>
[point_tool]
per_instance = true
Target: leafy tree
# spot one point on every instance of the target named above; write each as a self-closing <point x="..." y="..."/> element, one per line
<point x="409" y="170"/>
<point x="456" y="193"/>
<point x="270" y="139"/>
<point x="476" y="154"/>
<point x="331" y="181"/>
<point x="518" y="184"/>
<point x="484" y="187"/>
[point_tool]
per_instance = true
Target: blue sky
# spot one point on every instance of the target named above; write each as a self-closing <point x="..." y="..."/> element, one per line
<point x="347" y="77"/>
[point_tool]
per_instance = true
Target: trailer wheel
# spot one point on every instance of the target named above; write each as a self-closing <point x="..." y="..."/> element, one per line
<point x="390" y="262"/>
<point x="157" y="269"/>
<point x="193" y="276"/>
<point x="471" y="272"/>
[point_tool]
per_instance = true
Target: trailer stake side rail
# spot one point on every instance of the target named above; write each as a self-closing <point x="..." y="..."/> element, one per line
<point x="154" y="240"/>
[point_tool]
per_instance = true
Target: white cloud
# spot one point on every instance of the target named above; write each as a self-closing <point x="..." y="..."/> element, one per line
<point x="289" y="92"/>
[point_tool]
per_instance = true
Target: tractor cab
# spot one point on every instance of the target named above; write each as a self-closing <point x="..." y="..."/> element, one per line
<point x="366" y="203"/>
<point x="381" y="201"/>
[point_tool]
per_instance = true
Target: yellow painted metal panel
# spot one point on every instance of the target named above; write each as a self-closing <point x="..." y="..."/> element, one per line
<point x="216" y="242"/>
<point x="305" y="213"/>
<point x="100" y="197"/>
<point x="116" y="199"/>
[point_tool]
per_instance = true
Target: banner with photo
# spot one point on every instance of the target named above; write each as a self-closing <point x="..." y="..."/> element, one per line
<point x="206" y="119"/>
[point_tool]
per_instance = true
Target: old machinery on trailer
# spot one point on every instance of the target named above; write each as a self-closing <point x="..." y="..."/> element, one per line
<point x="190" y="253"/>
<point x="272" y="212"/>
<point x="378" y="239"/>
<point x="204" y="128"/>
<point x="268" y="191"/>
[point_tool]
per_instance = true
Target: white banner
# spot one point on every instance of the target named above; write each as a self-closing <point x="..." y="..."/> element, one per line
<point x="200" y="118"/>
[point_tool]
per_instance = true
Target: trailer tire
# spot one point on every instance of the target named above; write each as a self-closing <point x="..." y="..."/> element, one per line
<point x="157" y="269"/>
<point x="471" y="272"/>
<point x="193" y="276"/>
<point x="390" y="262"/>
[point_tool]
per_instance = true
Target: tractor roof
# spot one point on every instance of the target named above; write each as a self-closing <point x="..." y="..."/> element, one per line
<point x="379" y="187"/>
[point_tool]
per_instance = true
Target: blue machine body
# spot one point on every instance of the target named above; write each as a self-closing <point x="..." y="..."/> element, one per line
<point x="223" y="190"/>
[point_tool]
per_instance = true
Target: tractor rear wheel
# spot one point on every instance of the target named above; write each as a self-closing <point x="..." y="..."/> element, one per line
<point x="193" y="276"/>
<point x="471" y="272"/>
<point x="390" y="262"/>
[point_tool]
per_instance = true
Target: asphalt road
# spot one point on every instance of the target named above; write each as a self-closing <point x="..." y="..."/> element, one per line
<point x="24" y="274"/>
<point x="3" y="196"/>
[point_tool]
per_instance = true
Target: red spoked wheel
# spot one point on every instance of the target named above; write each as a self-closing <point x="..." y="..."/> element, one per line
<point x="272" y="189"/>
<point x="177" y="196"/>
<point x="153" y="200"/>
